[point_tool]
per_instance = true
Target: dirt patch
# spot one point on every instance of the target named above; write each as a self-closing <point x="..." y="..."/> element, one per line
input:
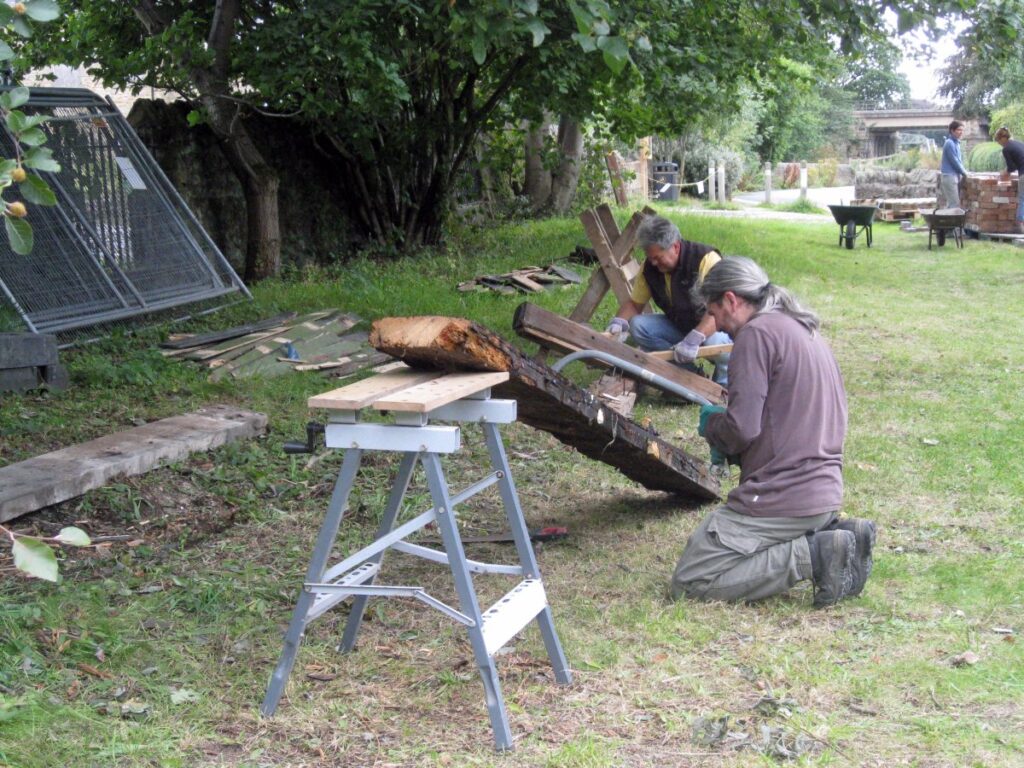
<point x="165" y="511"/>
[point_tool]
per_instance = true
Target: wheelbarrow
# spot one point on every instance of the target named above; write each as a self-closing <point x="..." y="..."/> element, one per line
<point x="944" y="220"/>
<point x="853" y="220"/>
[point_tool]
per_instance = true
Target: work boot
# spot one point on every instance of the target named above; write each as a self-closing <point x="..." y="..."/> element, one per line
<point x="832" y="557"/>
<point x="865" y="533"/>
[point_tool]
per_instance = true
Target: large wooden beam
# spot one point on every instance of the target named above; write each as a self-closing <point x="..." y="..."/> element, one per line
<point x="547" y="401"/>
<point x="557" y="332"/>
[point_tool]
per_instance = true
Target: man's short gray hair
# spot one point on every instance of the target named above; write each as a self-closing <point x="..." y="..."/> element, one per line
<point x="657" y="230"/>
<point x="749" y="281"/>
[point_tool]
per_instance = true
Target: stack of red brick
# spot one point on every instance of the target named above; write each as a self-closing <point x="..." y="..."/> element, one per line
<point x="991" y="205"/>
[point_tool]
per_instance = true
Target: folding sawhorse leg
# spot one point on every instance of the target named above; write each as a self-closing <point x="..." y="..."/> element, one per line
<point x="465" y="397"/>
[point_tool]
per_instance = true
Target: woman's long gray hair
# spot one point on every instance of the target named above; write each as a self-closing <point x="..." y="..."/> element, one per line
<point x="747" y="280"/>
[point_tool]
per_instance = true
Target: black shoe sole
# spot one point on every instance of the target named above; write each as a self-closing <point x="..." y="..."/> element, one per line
<point x="866" y="534"/>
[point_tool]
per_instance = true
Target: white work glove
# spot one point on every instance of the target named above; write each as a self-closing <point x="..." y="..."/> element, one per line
<point x="686" y="350"/>
<point x="619" y="328"/>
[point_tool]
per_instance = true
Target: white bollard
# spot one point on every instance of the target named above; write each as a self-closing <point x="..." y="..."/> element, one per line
<point x="722" y="196"/>
<point x="803" y="179"/>
<point x="768" y="183"/>
<point x="711" y="183"/>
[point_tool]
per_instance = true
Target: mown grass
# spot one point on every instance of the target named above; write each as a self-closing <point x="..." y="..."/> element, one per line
<point x="93" y="669"/>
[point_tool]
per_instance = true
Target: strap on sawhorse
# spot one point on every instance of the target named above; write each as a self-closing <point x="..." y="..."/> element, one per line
<point x="416" y="398"/>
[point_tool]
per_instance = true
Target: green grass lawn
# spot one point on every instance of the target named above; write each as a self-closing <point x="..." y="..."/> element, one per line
<point x="156" y="651"/>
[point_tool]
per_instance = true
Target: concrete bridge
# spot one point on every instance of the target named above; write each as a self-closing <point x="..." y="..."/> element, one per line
<point x="878" y="129"/>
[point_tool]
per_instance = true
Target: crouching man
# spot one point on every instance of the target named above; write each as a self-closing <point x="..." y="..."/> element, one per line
<point x="785" y="425"/>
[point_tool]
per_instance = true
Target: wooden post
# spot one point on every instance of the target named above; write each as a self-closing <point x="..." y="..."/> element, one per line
<point x="615" y="174"/>
<point x="711" y="183"/>
<point x="643" y="168"/>
<point x="768" y="183"/>
<point x="722" y="196"/>
<point x="803" y="179"/>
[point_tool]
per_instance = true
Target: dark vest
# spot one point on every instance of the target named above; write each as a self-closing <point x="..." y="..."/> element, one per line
<point x="680" y="309"/>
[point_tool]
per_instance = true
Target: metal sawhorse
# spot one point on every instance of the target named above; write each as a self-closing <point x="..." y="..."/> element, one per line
<point x="415" y="398"/>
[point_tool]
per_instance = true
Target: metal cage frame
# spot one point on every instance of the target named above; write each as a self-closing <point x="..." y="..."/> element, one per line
<point x="121" y="242"/>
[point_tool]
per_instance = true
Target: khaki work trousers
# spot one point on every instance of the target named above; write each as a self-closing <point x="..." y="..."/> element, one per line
<point x="732" y="557"/>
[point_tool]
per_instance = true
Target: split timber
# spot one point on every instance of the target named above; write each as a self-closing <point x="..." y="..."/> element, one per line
<point x="547" y="328"/>
<point x="548" y="401"/>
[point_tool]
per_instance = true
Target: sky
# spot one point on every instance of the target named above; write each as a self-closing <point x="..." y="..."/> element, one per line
<point x="922" y="75"/>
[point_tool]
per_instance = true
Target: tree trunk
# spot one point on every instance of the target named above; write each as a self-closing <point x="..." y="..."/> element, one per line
<point x="567" y="175"/>
<point x="212" y="80"/>
<point x="537" y="182"/>
<point x="263" y="228"/>
<point x="259" y="182"/>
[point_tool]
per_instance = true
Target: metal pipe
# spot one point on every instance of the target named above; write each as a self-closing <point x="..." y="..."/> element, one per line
<point x="659" y="381"/>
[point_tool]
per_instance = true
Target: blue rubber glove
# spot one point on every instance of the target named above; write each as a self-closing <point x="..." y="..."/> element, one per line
<point x="617" y="327"/>
<point x="686" y="350"/>
<point x="705" y="414"/>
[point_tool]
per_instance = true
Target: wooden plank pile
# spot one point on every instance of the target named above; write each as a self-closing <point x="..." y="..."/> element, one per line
<point x="320" y="341"/>
<point x="523" y="280"/>
<point x="547" y="401"/>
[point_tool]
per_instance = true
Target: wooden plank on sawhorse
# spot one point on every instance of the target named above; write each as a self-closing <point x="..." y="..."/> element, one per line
<point x="459" y="397"/>
<point x="549" y="401"/>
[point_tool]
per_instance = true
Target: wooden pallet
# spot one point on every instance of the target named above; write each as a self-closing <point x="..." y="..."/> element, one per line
<point x="895" y="215"/>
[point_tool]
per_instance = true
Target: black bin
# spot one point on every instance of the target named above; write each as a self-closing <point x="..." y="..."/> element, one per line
<point x="662" y="174"/>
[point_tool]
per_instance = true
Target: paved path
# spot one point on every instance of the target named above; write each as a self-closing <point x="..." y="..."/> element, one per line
<point x="751" y="201"/>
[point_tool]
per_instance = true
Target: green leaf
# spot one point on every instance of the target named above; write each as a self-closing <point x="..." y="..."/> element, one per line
<point x="42" y="10"/>
<point x="17" y="96"/>
<point x="479" y="50"/>
<point x="183" y="696"/>
<point x="33" y="556"/>
<point x="5" y="50"/>
<point x="6" y="14"/>
<point x="7" y="165"/>
<point x="33" y="137"/>
<point x="587" y="43"/>
<point x="21" y="26"/>
<point x="644" y="44"/>
<point x="530" y="6"/>
<point x="40" y="158"/>
<point x="539" y="29"/>
<point x="31" y="121"/>
<point x="71" y="535"/>
<point x="582" y="18"/>
<point x="15" y="121"/>
<point x="194" y="118"/>
<point x="19" y="233"/>
<point x="37" y="191"/>
<point x="616" y="53"/>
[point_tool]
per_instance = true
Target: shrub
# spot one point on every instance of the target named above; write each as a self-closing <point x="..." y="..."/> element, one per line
<point x="1012" y="116"/>
<point x="986" y="157"/>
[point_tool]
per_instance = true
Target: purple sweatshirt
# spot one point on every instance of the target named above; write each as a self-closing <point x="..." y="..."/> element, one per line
<point x="786" y="419"/>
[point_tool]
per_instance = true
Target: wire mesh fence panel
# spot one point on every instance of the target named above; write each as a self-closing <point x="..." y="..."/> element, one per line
<point x="120" y="242"/>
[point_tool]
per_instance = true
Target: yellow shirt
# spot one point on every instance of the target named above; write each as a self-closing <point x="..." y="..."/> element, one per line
<point x="641" y="293"/>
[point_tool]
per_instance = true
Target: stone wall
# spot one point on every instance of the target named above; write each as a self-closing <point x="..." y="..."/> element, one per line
<point x="991" y="205"/>
<point x="878" y="183"/>
<point x="313" y="227"/>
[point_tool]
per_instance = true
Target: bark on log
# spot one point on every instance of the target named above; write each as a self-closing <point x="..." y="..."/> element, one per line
<point x="547" y="401"/>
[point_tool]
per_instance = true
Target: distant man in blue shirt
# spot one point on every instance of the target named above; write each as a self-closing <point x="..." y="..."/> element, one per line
<point x="952" y="168"/>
